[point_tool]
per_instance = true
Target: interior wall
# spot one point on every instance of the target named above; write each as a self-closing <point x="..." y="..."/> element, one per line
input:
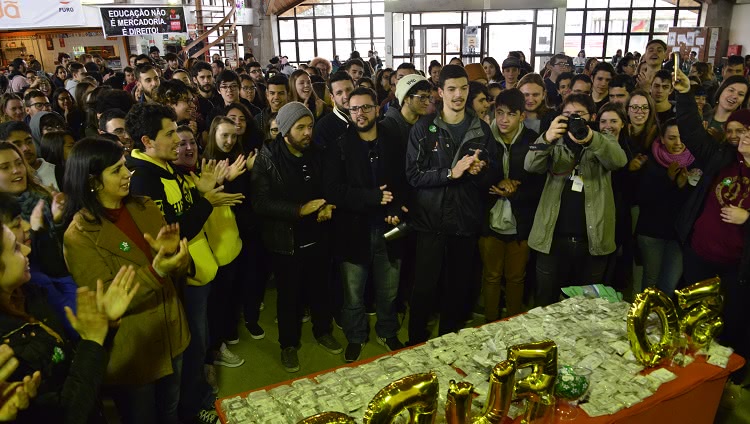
<point x="739" y="30"/>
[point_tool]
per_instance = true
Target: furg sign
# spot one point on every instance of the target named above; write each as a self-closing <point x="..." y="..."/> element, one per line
<point x="127" y="21"/>
<point x="40" y="13"/>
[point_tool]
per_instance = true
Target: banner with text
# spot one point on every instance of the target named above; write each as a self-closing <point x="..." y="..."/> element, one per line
<point x="29" y="14"/>
<point x="129" y="21"/>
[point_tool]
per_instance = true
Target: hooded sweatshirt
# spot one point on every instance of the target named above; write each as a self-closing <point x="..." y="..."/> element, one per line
<point x="46" y="172"/>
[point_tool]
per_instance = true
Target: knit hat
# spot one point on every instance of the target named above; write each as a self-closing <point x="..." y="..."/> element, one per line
<point x="289" y="114"/>
<point x="475" y="71"/>
<point x="405" y="83"/>
<point x="511" y="62"/>
<point x="740" y="115"/>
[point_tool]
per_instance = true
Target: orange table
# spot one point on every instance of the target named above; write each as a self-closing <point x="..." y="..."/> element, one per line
<point x="693" y="397"/>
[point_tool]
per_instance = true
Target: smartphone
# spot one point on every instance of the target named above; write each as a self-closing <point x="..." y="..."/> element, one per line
<point x="676" y="61"/>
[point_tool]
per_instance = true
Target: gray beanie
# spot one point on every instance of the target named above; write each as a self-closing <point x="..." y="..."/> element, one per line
<point x="289" y="114"/>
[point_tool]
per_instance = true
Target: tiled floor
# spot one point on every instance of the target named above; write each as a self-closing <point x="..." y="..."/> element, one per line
<point x="263" y="367"/>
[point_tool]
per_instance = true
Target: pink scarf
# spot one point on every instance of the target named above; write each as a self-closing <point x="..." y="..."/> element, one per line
<point x="664" y="158"/>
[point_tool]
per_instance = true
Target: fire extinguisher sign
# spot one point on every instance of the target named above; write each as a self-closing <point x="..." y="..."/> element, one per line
<point x="129" y="21"/>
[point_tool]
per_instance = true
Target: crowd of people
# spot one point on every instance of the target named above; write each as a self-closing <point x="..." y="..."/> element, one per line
<point x="144" y="211"/>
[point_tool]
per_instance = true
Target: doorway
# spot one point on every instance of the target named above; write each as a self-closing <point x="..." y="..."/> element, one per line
<point x="434" y="42"/>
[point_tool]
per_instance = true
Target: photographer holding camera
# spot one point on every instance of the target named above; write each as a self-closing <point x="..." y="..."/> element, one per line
<point x="574" y="225"/>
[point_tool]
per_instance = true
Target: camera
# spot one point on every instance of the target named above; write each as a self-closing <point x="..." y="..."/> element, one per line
<point x="577" y="126"/>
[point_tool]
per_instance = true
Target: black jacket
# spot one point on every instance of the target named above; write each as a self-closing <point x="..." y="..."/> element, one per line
<point x="330" y="128"/>
<point x="179" y="201"/>
<point x="396" y="123"/>
<point x="526" y="198"/>
<point x="71" y="376"/>
<point x="269" y="195"/>
<point x="441" y="204"/>
<point x="660" y="200"/>
<point x="711" y="157"/>
<point x="349" y="185"/>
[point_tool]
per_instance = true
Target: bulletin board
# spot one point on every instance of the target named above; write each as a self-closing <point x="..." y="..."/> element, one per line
<point x="702" y="40"/>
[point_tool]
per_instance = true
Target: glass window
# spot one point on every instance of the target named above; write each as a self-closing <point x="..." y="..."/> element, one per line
<point x="545" y="17"/>
<point x="689" y="3"/>
<point x="377" y="8"/>
<point x="289" y="49"/>
<point x="662" y="3"/>
<point x="664" y="19"/>
<point x="325" y="49"/>
<point x="619" y="3"/>
<point x="644" y="3"/>
<point x="572" y="45"/>
<point x="362" y="27"/>
<point x="288" y="14"/>
<point x="286" y="29"/>
<point x="574" y="22"/>
<point x="343" y="27"/>
<point x="641" y="21"/>
<point x="361" y="8"/>
<point x="363" y="46"/>
<point x="687" y="18"/>
<point x="342" y="9"/>
<point x="304" y="12"/>
<point x="305" y="29"/>
<point x="380" y="47"/>
<point x="594" y="45"/>
<point x="543" y="40"/>
<point x="615" y="42"/>
<point x="306" y="51"/>
<point x="618" y="20"/>
<point x="441" y="18"/>
<point x="323" y="28"/>
<point x="323" y="10"/>
<point x="343" y="48"/>
<point x="453" y="40"/>
<point x="596" y="21"/>
<point x="572" y="4"/>
<point x="378" y="26"/>
<point x="475" y="19"/>
<point x="638" y="43"/>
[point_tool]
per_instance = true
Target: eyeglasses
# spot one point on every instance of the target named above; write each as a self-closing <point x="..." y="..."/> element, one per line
<point x="248" y="88"/>
<point x="364" y="108"/>
<point x="274" y="130"/>
<point x="561" y="64"/>
<point x="636" y="108"/>
<point x="255" y="71"/>
<point x="231" y="87"/>
<point x="41" y="105"/>
<point x="421" y="98"/>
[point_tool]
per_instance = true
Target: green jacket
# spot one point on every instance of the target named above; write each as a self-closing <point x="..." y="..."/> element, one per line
<point x="601" y="156"/>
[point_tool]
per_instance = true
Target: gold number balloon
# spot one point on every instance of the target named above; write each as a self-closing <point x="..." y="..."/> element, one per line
<point x="539" y="386"/>
<point x="416" y="393"/>
<point x="652" y="300"/>
<point x="458" y="403"/>
<point x="700" y="311"/>
<point x="500" y="393"/>
<point x="329" y="418"/>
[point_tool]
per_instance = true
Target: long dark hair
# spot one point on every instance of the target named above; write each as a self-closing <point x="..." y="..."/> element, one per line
<point x="32" y="183"/>
<point x="253" y="137"/>
<point x="498" y="71"/>
<point x="620" y="111"/>
<point x="212" y="150"/>
<point x="52" y="147"/>
<point x="83" y="172"/>
<point x="734" y="79"/>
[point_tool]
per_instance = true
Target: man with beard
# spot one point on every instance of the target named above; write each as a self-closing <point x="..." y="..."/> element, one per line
<point x="333" y="125"/>
<point x="256" y="73"/>
<point x="451" y="164"/>
<point x="276" y="97"/>
<point x="287" y="195"/>
<point x="148" y="81"/>
<point x="18" y="81"/>
<point x="364" y="178"/>
<point x="208" y="98"/>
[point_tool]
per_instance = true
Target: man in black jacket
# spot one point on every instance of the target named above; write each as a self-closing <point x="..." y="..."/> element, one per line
<point x="450" y="163"/>
<point x="364" y="177"/>
<point x="277" y="95"/>
<point x="513" y="200"/>
<point x="287" y="190"/>
<point x="333" y="125"/>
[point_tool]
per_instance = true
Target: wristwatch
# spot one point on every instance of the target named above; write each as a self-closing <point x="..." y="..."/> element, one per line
<point x="450" y="174"/>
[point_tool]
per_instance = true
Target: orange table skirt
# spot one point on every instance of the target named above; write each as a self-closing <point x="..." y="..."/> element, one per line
<point x="693" y="397"/>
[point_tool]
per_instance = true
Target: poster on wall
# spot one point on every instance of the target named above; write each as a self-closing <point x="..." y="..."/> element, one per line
<point x="144" y="20"/>
<point x="25" y="14"/>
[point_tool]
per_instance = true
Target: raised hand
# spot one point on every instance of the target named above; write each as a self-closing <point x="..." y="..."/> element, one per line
<point x="251" y="159"/>
<point x="217" y="197"/>
<point x="168" y="237"/>
<point x="58" y="206"/>
<point x="209" y="175"/>
<point x="14" y="396"/>
<point x="673" y="170"/>
<point x="637" y="162"/>
<point x="237" y="168"/>
<point x="121" y="291"/>
<point x="476" y="164"/>
<point x="90" y="323"/>
<point x="311" y="207"/>
<point x="557" y="128"/>
<point x="164" y="265"/>
<point x="387" y="195"/>
<point x="462" y="166"/>
<point x="682" y="83"/>
<point x="36" y="220"/>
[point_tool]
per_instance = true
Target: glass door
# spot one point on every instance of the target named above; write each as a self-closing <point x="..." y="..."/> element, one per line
<point x="498" y="35"/>
<point x="434" y="42"/>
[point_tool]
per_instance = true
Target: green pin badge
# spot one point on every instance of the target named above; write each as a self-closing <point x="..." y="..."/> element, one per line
<point x="125" y="246"/>
<point x="57" y="355"/>
<point x="727" y="181"/>
<point x="433" y="128"/>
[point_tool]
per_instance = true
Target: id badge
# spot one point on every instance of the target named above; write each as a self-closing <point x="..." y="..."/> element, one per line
<point x="577" y="184"/>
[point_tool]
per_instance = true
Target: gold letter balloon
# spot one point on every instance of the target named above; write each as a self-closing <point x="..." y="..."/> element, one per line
<point x="416" y="393"/>
<point x="458" y="403"/>
<point x="700" y="311"/>
<point x="652" y="300"/>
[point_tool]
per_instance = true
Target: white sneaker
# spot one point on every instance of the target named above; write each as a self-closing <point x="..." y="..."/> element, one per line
<point x="226" y="358"/>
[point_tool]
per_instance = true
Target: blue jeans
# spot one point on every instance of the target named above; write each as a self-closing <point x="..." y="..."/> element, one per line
<point x="151" y="403"/>
<point x="662" y="263"/>
<point x="196" y="393"/>
<point x="385" y="272"/>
